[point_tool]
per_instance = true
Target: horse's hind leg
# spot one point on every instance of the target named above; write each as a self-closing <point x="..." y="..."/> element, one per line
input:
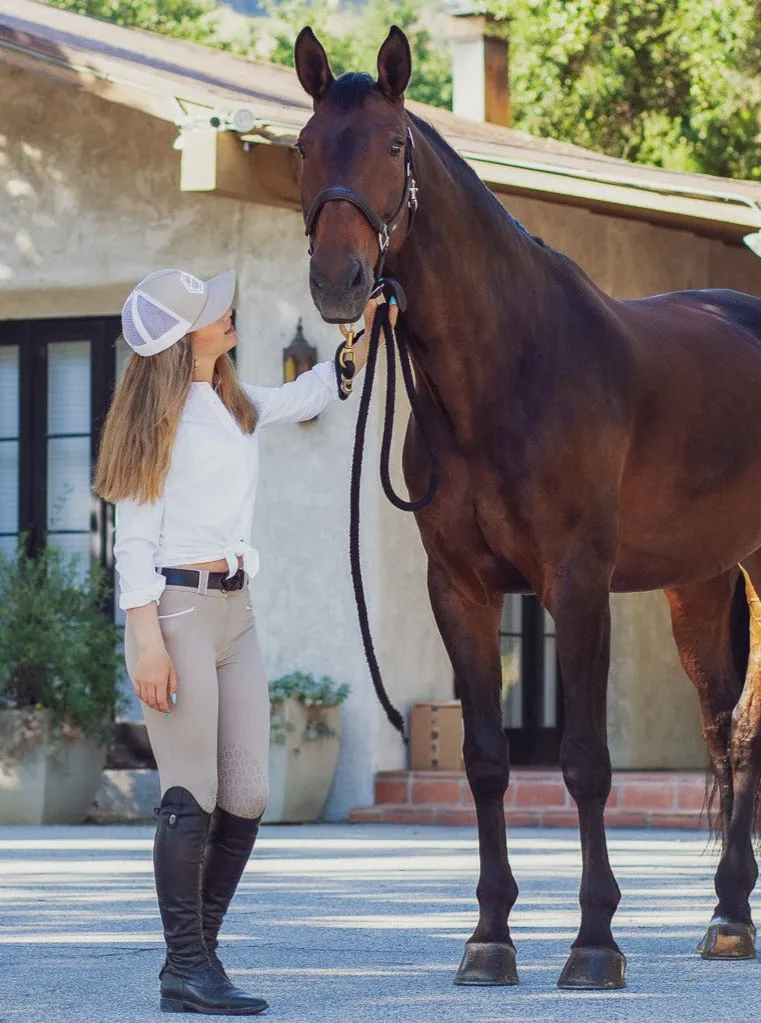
<point x="732" y="934"/>
<point x="470" y="631"/>
<point x="711" y="629"/>
<point x="704" y="619"/>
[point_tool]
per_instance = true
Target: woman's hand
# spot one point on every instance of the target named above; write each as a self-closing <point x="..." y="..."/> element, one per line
<point x="155" y="679"/>
<point x="372" y="307"/>
<point x="362" y="346"/>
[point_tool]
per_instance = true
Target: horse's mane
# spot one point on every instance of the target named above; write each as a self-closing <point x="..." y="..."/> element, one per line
<point x="464" y="174"/>
<point x="350" y="91"/>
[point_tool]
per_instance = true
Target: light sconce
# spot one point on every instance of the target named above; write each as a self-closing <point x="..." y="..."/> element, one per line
<point x="299" y="357"/>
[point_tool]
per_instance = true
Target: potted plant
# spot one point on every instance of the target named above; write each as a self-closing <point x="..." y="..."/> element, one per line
<point x="59" y="686"/>
<point x="305" y="723"/>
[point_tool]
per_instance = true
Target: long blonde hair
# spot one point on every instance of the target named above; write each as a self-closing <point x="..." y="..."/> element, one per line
<point x="138" y="435"/>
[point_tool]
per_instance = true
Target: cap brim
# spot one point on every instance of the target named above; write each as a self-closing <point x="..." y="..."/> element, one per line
<point x="221" y="291"/>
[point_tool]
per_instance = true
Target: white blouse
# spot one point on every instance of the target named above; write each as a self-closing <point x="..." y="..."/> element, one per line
<point x="207" y="508"/>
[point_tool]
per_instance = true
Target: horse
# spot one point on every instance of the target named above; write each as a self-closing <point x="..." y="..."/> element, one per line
<point x="585" y="445"/>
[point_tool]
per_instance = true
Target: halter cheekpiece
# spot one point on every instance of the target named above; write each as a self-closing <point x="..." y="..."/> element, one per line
<point x="383" y="228"/>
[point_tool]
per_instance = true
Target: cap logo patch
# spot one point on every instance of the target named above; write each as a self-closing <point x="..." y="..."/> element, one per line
<point x="191" y="284"/>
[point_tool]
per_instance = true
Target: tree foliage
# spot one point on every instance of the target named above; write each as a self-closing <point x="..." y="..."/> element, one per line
<point x="195" y="20"/>
<point x="354" y="46"/>
<point x="669" y="82"/>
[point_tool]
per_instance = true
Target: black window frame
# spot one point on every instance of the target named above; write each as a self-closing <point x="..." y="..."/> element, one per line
<point x="32" y="338"/>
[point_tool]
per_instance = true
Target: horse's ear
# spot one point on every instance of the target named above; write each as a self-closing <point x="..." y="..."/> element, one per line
<point x="394" y="65"/>
<point x="312" y="65"/>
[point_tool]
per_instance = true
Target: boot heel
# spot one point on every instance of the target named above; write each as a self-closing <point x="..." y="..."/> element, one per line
<point x="172" y="1005"/>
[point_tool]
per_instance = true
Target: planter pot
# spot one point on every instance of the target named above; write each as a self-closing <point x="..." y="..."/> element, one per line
<point x="301" y="769"/>
<point x="49" y="779"/>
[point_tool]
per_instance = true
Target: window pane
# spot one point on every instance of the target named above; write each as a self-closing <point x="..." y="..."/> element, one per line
<point x="512" y="614"/>
<point x="69" y="387"/>
<point x="78" y="544"/>
<point x="550" y="681"/>
<point x="9" y="468"/>
<point x="550" y="695"/>
<point x="9" y="391"/>
<point x="123" y="352"/>
<point x="8" y="545"/>
<point x="511" y="652"/>
<point x="69" y="483"/>
<point x="512" y="694"/>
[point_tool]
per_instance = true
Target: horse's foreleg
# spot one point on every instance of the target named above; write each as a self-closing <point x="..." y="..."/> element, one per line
<point x="471" y="635"/>
<point x="580" y="605"/>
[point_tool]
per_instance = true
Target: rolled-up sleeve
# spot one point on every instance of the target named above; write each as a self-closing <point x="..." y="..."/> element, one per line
<point x="138" y="530"/>
<point x="306" y="397"/>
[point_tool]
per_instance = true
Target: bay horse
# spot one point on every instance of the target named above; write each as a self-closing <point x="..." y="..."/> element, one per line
<point x="585" y="446"/>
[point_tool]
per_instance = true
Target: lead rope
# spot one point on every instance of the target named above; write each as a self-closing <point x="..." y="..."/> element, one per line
<point x="345" y="368"/>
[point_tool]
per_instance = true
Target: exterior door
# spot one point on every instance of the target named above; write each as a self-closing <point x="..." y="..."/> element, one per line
<point x="532" y="705"/>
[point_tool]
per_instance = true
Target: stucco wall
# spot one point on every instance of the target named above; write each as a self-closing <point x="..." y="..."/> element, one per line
<point x="90" y="203"/>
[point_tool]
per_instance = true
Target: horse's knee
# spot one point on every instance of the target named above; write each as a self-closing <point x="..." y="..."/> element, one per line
<point x="486" y="763"/>
<point x="586" y="769"/>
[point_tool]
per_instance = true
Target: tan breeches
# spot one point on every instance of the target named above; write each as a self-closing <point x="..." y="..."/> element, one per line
<point x="215" y="742"/>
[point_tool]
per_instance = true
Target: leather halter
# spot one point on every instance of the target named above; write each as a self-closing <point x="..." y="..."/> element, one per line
<point x="383" y="228"/>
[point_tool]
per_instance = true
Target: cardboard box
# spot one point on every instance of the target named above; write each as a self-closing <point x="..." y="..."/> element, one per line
<point x="436" y="736"/>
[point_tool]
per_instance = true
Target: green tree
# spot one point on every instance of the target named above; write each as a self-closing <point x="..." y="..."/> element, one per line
<point x="354" y="47"/>
<point x="669" y="82"/>
<point x="194" y="20"/>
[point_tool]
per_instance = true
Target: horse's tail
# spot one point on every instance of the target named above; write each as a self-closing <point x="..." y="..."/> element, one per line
<point x="739" y="629"/>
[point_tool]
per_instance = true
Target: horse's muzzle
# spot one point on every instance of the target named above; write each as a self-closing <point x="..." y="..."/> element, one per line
<point x="340" y="292"/>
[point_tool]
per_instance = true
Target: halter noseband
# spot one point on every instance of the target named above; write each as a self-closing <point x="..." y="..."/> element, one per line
<point x="383" y="228"/>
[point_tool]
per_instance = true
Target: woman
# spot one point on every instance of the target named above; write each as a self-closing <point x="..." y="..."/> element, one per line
<point x="179" y="458"/>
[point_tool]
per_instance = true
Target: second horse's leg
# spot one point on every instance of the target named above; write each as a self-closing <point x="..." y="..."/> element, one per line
<point x="470" y="632"/>
<point x="711" y="631"/>
<point x="737" y="871"/>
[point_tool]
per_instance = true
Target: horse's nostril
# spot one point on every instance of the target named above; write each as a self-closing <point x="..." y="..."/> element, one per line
<point x="314" y="281"/>
<point x="357" y="279"/>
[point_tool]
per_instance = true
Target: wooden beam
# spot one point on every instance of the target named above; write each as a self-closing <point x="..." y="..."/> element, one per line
<point x="219" y="163"/>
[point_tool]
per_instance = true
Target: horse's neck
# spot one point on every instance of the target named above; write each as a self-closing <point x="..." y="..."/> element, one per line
<point x="474" y="280"/>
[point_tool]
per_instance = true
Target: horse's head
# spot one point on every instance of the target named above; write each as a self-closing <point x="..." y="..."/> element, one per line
<point x="356" y="184"/>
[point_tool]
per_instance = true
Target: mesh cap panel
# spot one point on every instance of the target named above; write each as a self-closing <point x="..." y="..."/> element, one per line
<point x="156" y="322"/>
<point x="131" y="334"/>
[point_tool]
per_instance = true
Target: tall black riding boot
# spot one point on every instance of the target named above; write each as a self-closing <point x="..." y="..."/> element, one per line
<point x="231" y="840"/>
<point x="189" y="981"/>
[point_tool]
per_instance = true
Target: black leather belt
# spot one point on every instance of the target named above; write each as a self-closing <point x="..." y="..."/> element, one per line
<point x="213" y="580"/>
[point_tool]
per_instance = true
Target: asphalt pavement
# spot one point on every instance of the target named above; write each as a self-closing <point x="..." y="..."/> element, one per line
<point x="347" y="924"/>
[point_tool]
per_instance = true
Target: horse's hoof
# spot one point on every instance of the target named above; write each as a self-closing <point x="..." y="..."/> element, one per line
<point x="594" y="969"/>
<point x="725" y="939"/>
<point x="487" y="963"/>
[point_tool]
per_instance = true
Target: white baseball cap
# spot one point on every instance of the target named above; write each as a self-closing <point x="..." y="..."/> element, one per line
<point x="167" y="304"/>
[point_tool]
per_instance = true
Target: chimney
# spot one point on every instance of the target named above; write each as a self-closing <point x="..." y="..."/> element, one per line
<point x="480" y="84"/>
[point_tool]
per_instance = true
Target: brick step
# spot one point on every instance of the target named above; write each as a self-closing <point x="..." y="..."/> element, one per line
<point x="637" y="799"/>
<point x="537" y="816"/>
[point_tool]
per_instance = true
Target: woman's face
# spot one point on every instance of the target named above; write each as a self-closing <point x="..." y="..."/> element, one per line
<point x="216" y="339"/>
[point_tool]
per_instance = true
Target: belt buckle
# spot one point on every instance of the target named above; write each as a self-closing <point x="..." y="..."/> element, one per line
<point x="232" y="583"/>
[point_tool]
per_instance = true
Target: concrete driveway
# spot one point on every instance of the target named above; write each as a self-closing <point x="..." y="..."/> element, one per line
<point x="366" y="923"/>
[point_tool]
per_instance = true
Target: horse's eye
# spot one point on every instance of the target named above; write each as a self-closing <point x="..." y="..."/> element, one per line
<point x="299" y="149"/>
<point x="396" y="147"/>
